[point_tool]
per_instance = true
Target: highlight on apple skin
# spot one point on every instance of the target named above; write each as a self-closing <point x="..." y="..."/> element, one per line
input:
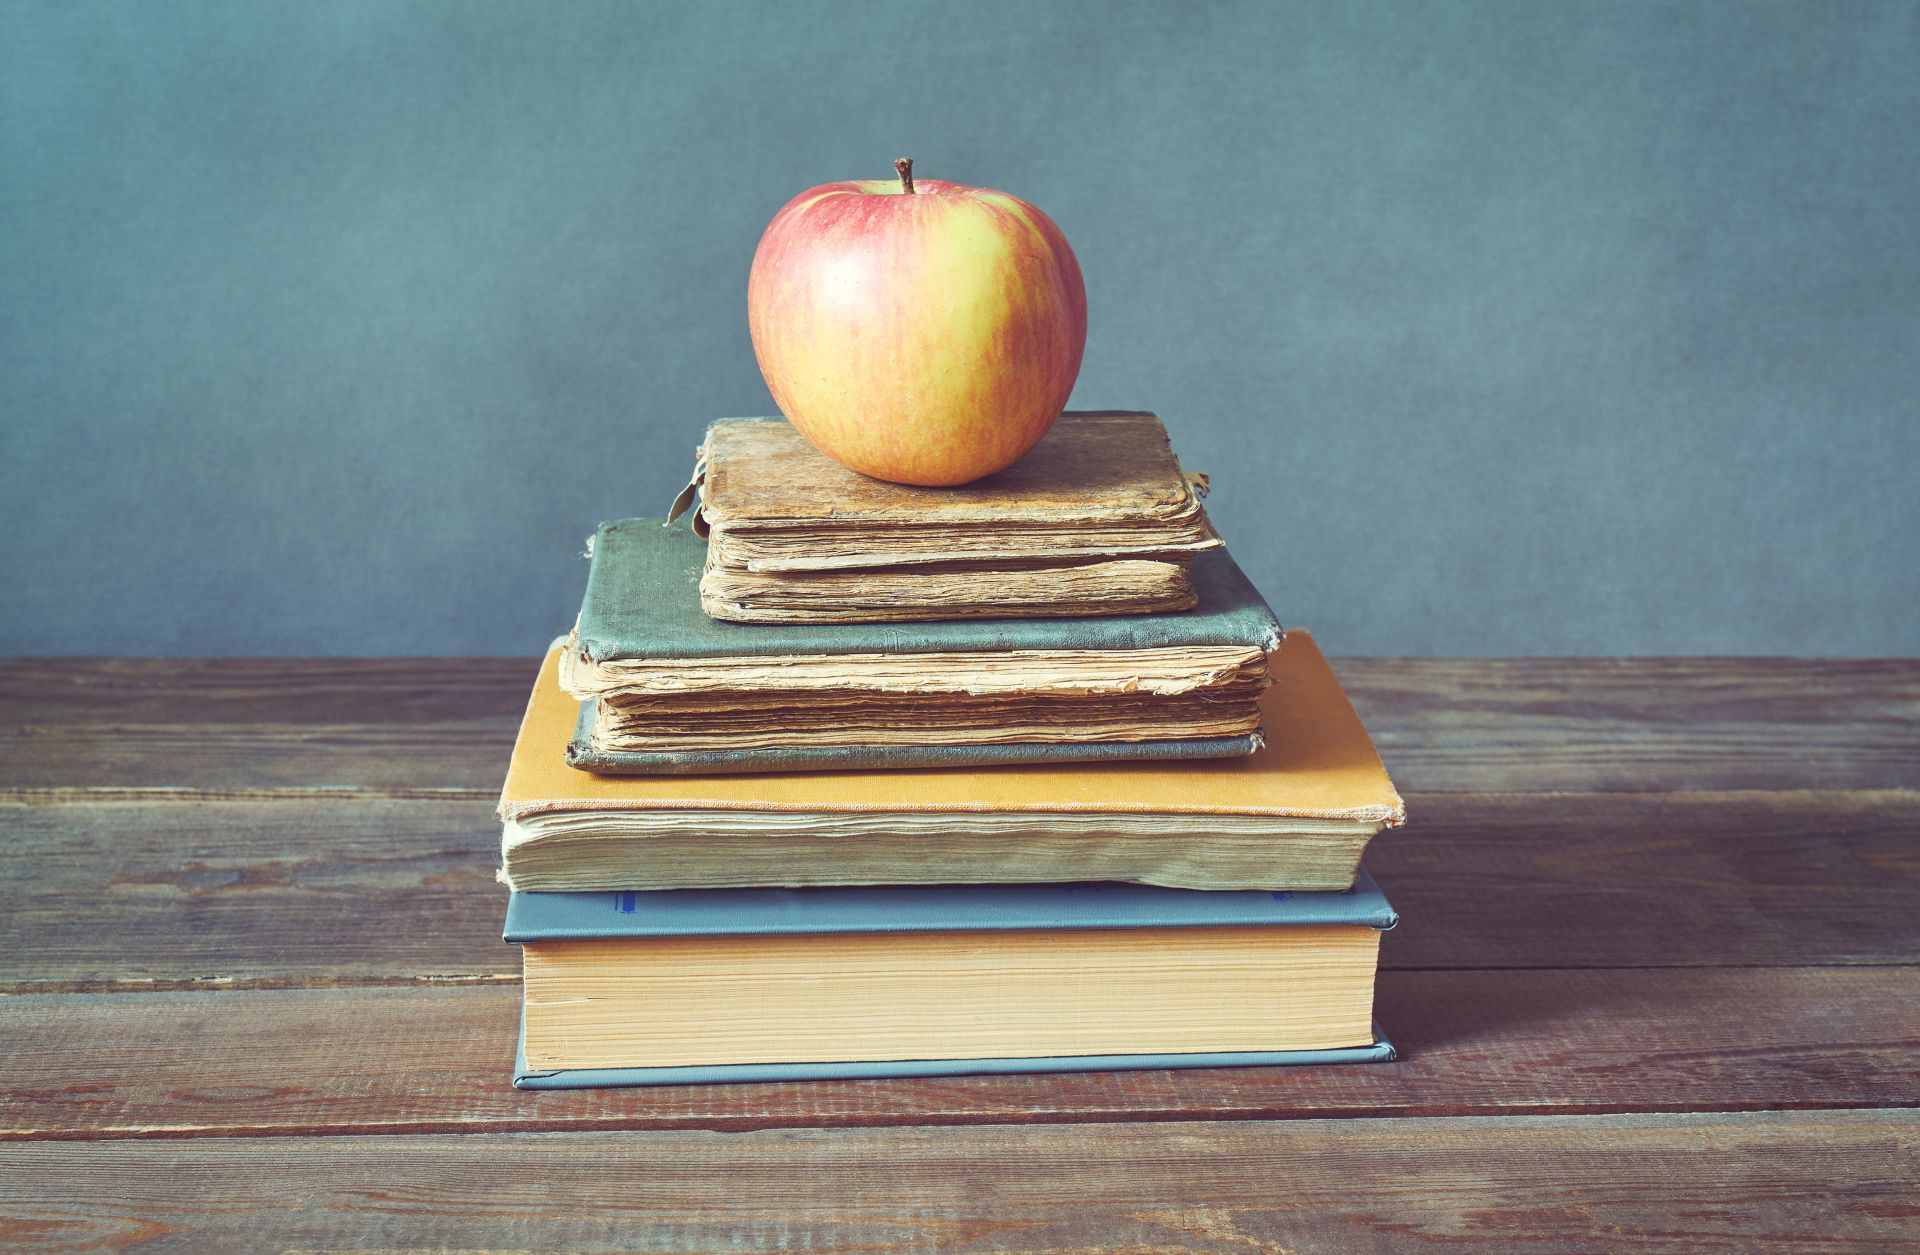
<point x="924" y="333"/>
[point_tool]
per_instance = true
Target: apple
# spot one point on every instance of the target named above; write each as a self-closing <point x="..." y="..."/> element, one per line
<point x="923" y="333"/>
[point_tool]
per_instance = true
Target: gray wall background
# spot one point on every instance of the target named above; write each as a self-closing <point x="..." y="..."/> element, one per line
<point x="1501" y="327"/>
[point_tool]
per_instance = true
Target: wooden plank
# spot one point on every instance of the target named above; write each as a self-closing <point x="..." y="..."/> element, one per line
<point x="1609" y="880"/>
<point x="178" y="691"/>
<point x="1625" y="724"/>
<point x="438" y="1059"/>
<point x="1813" y="1182"/>
<point x="212" y="761"/>
<point x="304" y="891"/>
<point x="399" y="725"/>
<point x="317" y="891"/>
<point x="238" y="725"/>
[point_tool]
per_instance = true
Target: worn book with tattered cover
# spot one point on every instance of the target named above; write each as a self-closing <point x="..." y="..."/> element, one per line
<point x="686" y="986"/>
<point x="1098" y="519"/>
<point x="671" y="690"/>
<point x="1296" y="814"/>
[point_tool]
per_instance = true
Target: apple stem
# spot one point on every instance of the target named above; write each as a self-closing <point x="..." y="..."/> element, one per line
<point x="905" y="166"/>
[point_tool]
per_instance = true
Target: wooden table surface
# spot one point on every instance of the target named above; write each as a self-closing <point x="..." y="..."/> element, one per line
<point x="1657" y="986"/>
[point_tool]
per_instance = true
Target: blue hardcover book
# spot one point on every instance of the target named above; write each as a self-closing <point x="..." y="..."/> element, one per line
<point x="694" y="986"/>
<point x="657" y="678"/>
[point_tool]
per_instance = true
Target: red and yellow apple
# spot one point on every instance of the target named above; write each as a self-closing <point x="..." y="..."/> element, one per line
<point x="924" y="333"/>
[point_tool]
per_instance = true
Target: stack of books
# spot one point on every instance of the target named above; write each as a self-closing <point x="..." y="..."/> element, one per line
<point x="853" y="779"/>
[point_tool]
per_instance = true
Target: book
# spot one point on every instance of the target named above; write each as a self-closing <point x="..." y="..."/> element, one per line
<point x="672" y="689"/>
<point x="1296" y="814"/>
<point x="708" y="985"/>
<point x="1097" y="519"/>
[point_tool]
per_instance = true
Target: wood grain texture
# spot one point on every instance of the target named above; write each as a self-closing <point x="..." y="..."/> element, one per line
<point x="1612" y="880"/>
<point x="1480" y="724"/>
<point x="419" y="1060"/>
<point x="1642" y="888"/>
<point x="303" y="891"/>
<point x="1837" y="1183"/>
<point x="1641" y="724"/>
<point x="185" y="691"/>
<point x="380" y="725"/>
<point x="357" y="890"/>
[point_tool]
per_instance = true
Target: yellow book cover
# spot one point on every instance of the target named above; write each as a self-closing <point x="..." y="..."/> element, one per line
<point x="1296" y="814"/>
